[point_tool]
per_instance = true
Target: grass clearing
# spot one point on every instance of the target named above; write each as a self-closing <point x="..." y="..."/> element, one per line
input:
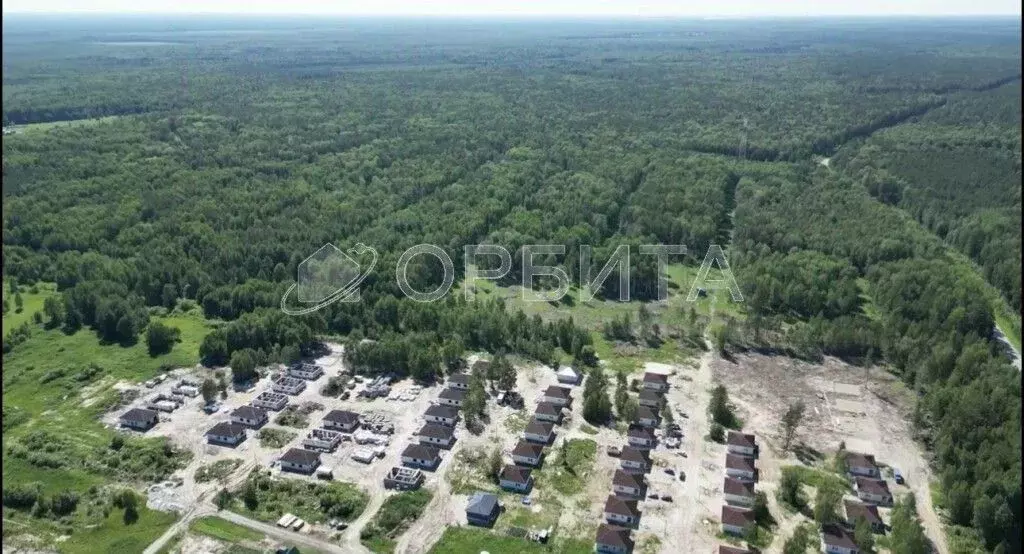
<point x="468" y="540"/>
<point x="112" y="535"/>
<point x="55" y="388"/>
<point x="818" y="478"/>
<point x="35" y="128"/>
<point x="218" y="470"/>
<point x="570" y="468"/>
<point x="32" y="302"/>
<point x="267" y="499"/>
<point x="224" y="530"/>
<point x="395" y="516"/>
<point x="275" y="438"/>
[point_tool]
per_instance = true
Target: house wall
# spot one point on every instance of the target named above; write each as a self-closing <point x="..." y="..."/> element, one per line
<point x="658" y="387"/>
<point x="450" y="401"/>
<point x="545" y="417"/>
<point x="431" y="440"/>
<point x="640" y="443"/>
<point x="834" y="549"/>
<point x="442" y="420"/>
<point x="864" y="471"/>
<point x="652" y="403"/>
<point x="340" y="426"/>
<point x="629" y="491"/>
<point x="537" y="438"/>
<point x="618" y="518"/>
<point x="557" y="401"/>
<point x="297" y="467"/>
<point x="626" y="464"/>
<point x="741" y="450"/>
<point x="525" y="460"/>
<point x="512" y="485"/>
<point x="417" y="462"/>
<point x="736" y="499"/>
<point x="874" y="498"/>
<point x="143" y="425"/>
<point x="225" y="439"/>
<point x="734" y="529"/>
<point x="248" y="421"/>
<point x="609" y="549"/>
<point x="740" y="474"/>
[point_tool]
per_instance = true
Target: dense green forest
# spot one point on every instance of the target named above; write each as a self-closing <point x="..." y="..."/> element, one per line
<point x="187" y="166"/>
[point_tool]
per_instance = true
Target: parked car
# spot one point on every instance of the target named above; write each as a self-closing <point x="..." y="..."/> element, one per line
<point x="666" y="497"/>
<point x="527" y="501"/>
<point x="682" y="475"/>
<point x="670" y="471"/>
<point x="653" y="496"/>
<point x="898" y="476"/>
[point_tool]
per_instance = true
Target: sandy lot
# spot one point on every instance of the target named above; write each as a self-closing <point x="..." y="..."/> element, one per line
<point x="868" y="409"/>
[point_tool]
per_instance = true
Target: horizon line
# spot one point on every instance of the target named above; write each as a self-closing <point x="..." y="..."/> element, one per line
<point x="513" y="15"/>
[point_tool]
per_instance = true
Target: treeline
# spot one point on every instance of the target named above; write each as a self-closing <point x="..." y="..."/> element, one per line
<point x="958" y="172"/>
<point x="926" y="314"/>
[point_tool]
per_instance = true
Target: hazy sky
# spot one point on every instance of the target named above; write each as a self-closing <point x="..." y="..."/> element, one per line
<point x="532" y="7"/>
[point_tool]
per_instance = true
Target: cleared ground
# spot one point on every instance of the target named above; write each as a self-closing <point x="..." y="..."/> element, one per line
<point x="867" y="409"/>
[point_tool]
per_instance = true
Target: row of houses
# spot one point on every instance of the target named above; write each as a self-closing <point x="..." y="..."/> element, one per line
<point x="629" y="484"/>
<point x="439" y="430"/>
<point x="739" y="482"/>
<point x="538" y="433"/>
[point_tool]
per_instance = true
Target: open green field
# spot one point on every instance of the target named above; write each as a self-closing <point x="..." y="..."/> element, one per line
<point x="61" y="384"/>
<point x="469" y="540"/>
<point x="224" y="530"/>
<point x="110" y="534"/>
<point x="32" y="303"/>
<point x="53" y="125"/>
<point x="672" y="316"/>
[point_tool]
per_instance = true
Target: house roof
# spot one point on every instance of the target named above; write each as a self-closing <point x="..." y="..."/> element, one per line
<point x="249" y="412"/>
<point x="482" y="504"/>
<point x="515" y="473"/>
<point x="435" y="431"/>
<point x="225" y="429"/>
<point x="440" y="410"/>
<point x="139" y="414"/>
<point x="722" y="549"/>
<point x="857" y="459"/>
<point x="733" y="461"/>
<point x="421" y="452"/>
<point x="873" y="486"/>
<point x="300" y="456"/>
<point x="538" y="427"/>
<point x="567" y="371"/>
<point x="528" y="449"/>
<point x="616" y="505"/>
<point x="460" y="378"/>
<point x="634" y="455"/>
<point x="740" y="517"/>
<point x="555" y="391"/>
<point x="644" y="412"/>
<point x="856" y="510"/>
<point x="613" y="535"/>
<point x="737" y="487"/>
<point x="547" y="408"/>
<point x="640" y="432"/>
<point x="651" y="377"/>
<point x="742" y="439"/>
<point x="342" y="416"/>
<point x="453" y="394"/>
<point x="647" y="394"/>
<point x="835" y="535"/>
<point x="627" y="479"/>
